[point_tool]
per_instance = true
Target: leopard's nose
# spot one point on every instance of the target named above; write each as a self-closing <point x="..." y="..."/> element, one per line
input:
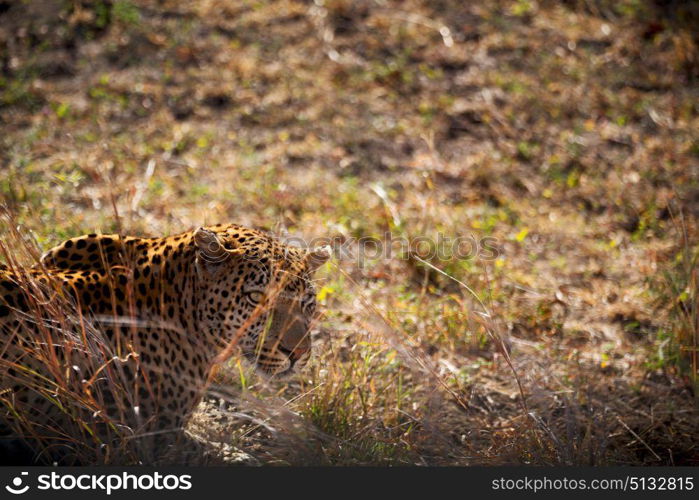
<point x="295" y="353"/>
<point x="299" y="352"/>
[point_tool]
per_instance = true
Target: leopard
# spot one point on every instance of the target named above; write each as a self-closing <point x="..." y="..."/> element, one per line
<point x="152" y="316"/>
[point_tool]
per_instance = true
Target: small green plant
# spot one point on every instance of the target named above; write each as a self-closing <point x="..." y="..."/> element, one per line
<point x="678" y="291"/>
<point x="126" y="12"/>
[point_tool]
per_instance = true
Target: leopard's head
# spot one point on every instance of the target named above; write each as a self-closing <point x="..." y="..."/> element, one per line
<point x="256" y="293"/>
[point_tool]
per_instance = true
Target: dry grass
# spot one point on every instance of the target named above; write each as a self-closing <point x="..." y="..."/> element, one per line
<point x="79" y="428"/>
<point x="568" y="132"/>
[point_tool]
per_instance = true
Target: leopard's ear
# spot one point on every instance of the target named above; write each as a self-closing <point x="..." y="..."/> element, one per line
<point x="210" y="249"/>
<point x="318" y="256"/>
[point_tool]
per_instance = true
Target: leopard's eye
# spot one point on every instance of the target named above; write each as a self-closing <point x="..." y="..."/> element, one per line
<point x="255" y="296"/>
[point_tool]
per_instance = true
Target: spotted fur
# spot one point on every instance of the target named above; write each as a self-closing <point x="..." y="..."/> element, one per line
<point x="175" y="305"/>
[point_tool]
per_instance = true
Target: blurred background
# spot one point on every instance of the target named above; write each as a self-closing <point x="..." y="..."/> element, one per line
<point x="566" y="131"/>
